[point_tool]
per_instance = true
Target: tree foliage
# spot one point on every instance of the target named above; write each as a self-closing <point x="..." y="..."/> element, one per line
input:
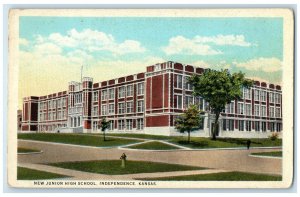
<point x="104" y="126"/>
<point x="219" y="88"/>
<point x="189" y="121"/>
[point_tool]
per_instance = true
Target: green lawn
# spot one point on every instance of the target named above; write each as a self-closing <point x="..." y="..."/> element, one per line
<point x="86" y="140"/>
<point x="27" y="150"/>
<point x="113" y="167"/>
<point x="29" y="174"/>
<point x="153" y="146"/>
<point x="141" y="136"/>
<point x="270" y="154"/>
<point x="222" y="176"/>
<point x="200" y="142"/>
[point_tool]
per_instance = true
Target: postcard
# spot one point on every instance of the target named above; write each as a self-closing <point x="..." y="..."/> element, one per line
<point x="150" y="98"/>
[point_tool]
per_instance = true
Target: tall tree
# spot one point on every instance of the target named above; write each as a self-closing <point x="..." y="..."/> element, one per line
<point x="219" y="88"/>
<point x="189" y="121"/>
<point x="104" y="126"/>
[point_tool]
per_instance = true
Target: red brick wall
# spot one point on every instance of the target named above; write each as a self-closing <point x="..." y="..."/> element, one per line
<point x="157" y="121"/>
<point x="157" y="88"/>
<point x="166" y="90"/>
<point x="148" y="93"/>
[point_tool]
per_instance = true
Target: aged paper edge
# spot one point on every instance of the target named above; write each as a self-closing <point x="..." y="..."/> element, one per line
<point x="287" y="88"/>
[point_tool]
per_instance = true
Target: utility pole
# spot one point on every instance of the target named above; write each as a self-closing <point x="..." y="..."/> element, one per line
<point x="81" y="72"/>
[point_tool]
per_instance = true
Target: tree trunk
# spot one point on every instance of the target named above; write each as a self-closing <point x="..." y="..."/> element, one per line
<point x="216" y="126"/>
<point x="104" y="136"/>
<point x="189" y="136"/>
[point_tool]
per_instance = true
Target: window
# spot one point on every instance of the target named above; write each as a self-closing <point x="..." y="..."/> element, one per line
<point x="277" y="112"/>
<point x="277" y="98"/>
<point x="140" y="88"/>
<point x="229" y="108"/>
<point x="263" y="110"/>
<point x="263" y="127"/>
<point x="111" y="93"/>
<point x="54" y="104"/>
<point x="95" y="96"/>
<point x="111" y="108"/>
<point x="178" y="101"/>
<point x="272" y="126"/>
<point x="278" y="127"/>
<point x="247" y="93"/>
<point x="140" y="124"/>
<point x="103" y="110"/>
<point x="121" y="124"/>
<point x="248" y="125"/>
<point x="121" y="93"/>
<point x="256" y="110"/>
<point x="248" y="109"/>
<point x="129" y="124"/>
<point x="240" y="108"/>
<point x="188" y="86"/>
<point x="241" y="125"/>
<point x="104" y="95"/>
<point x="130" y="90"/>
<point x="256" y="95"/>
<point x="54" y="115"/>
<point x="95" y="111"/>
<point x="188" y="101"/>
<point x="111" y="125"/>
<point x="95" y="125"/>
<point x="263" y="95"/>
<point x="140" y="106"/>
<point x="59" y="101"/>
<point x="257" y="125"/>
<point x="121" y="108"/>
<point x="228" y="125"/>
<point x="271" y="112"/>
<point x="129" y="107"/>
<point x="271" y="96"/>
<point x="178" y="83"/>
<point x="200" y="102"/>
<point x="64" y="101"/>
<point x="64" y="114"/>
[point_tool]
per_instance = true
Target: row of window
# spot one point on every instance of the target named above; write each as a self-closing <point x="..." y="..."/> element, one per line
<point x="110" y="108"/>
<point x="53" y="115"/>
<point x="189" y="100"/>
<point x="122" y="91"/>
<point x="122" y="124"/>
<point x="52" y="104"/>
<point x="246" y="109"/>
<point x="179" y="82"/>
<point x="247" y="125"/>
<point x="261" y="95"/>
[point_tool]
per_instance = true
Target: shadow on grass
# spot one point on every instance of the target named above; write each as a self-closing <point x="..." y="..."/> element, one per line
<point x="237" y="141"/>
<point x="201" y="144"/>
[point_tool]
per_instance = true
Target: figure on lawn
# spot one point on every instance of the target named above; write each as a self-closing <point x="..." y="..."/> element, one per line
<point x="123" y="159"/>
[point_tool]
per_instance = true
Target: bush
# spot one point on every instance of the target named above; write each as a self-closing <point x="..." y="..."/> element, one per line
<point x="274" y="136"/>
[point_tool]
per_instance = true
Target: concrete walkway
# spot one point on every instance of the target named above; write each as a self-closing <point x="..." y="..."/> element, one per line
<point x="223" y="160"/>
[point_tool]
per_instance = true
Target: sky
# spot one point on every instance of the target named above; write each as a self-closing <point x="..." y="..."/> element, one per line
<point x="53" y="49"/>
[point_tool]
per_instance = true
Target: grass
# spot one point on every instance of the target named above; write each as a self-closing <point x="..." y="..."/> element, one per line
<point x="29" y="174"/>
<point x="153" y="146"/>
<point x="27" y="150"/>
<point x="200" y="142"/>
<point x="113" y="167"/>
<point x="270" y="154"/>
<point x="222" y="176"/>
<point x="86" y="140"/>
<point x="140" y="136"/>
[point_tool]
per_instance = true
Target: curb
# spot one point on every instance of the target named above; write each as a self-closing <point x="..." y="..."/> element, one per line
<point x="265" y="157"/>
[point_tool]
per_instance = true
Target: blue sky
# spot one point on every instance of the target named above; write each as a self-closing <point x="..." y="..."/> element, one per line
<point x="111" y="47"/>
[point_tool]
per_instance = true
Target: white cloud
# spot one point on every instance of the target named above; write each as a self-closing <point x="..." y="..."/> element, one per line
<point x="182" y="45"/>
<point x="261" y="64"/>
<point x="93" y="40"/>
<point x="236" y="40"/>
<point x="23" y="41"/>
<point x="201" y="45"/>
<point x="47" y="49"/>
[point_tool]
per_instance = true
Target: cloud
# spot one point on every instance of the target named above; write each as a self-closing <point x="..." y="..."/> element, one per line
<point x="261" y="64"/>
<point x="182" y="45"/>
<point x="202" y="45"/>
<point x="234" y="40"/>
<point x="23" y="41"/>
<point x="93" y="40"/>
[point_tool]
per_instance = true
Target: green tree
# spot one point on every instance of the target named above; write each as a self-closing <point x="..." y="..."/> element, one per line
<point x="189" y="121"/>
<point x="104" y="126"/>
<point x="219" y="88"/>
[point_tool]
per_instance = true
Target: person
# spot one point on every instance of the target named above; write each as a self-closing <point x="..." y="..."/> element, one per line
<point x="123" y="159"/>
<point x="248" y="144"/>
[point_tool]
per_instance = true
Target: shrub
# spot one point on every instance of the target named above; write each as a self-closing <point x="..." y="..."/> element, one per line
<point x="274" y="136"/>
